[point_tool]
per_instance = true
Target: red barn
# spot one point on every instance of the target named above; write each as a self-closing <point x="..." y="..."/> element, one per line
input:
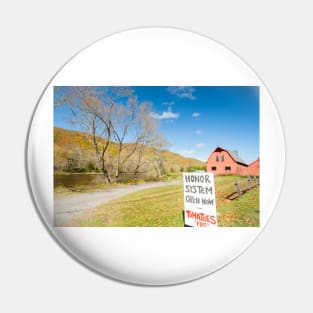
<point x="224" y="162"/>
<point x="254" y="168"/>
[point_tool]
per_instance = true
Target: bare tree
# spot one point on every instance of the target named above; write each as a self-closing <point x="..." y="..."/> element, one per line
<point x="160" y="145"/>
<point x="114" y="115"/>
<point x="123" y="120"/>
<point x="133" y="130"/>
<point x="147" y="128"/>
<point x="92" y="109"/>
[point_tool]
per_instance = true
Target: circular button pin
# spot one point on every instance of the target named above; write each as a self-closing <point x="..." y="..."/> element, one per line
<point x="155" y="156"/>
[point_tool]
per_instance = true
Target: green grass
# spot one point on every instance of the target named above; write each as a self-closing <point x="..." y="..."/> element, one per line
<point x="154" y="207"/>
<point x="240" y="212"/>
<point x="163" y="206"/>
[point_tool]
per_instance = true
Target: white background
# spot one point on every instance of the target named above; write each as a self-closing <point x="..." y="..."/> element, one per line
<point x="275" y="273"/>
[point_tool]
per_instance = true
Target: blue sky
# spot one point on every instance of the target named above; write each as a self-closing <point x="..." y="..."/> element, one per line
<point x="195" y="120"/>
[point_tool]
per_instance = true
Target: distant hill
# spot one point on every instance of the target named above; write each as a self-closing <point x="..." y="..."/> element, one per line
<point x="74" y="152"/>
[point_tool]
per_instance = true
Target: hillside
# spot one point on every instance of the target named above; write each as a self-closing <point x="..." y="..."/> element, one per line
<point x="75" y="152"/>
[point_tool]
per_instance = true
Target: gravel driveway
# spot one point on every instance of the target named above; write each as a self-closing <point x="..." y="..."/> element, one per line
<point x="66" y="208"/>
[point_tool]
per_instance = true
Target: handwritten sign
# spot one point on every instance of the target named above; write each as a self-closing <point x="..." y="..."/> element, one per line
<point x="199" y="200"/>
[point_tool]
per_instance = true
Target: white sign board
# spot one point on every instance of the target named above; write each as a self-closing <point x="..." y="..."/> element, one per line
<point x="199" y="200"/>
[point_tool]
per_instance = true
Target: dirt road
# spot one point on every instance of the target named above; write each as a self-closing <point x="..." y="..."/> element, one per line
<point x="66" y="208"/>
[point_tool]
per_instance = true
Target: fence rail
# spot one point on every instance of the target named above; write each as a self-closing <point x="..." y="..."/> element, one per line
<point x="244" y="185"/>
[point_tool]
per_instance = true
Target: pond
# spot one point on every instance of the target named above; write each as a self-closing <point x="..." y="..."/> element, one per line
<point x="90" y="179"/>
<point x="77" y="179"/>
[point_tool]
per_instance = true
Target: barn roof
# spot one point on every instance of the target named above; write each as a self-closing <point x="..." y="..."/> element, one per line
<point x="257" y="160"/>
<point x="234" y="154"/>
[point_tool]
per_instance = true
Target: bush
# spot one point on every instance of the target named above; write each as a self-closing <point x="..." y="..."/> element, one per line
<point x="191" y="169"/>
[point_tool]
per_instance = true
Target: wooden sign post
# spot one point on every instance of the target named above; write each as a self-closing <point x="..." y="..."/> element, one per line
<point x="199" y="200"/>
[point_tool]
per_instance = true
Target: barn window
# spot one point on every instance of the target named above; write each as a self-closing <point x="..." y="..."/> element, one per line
<point x="227" y="168"/>
<point x="222" y="158"/>
<point x="216" y="158"/>
<point x="213" y="168"/>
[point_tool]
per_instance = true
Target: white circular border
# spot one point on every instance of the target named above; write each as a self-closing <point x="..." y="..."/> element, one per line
<point x="152" y="57"/>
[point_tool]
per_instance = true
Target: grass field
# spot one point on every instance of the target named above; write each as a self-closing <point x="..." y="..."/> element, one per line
<point x="163" y="206"/>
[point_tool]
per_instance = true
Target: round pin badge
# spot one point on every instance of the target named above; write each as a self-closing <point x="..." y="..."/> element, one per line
<point x="155" y="156"/>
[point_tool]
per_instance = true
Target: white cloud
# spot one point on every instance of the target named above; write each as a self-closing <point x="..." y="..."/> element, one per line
<point x="195" y="114"/>
<point x="182" y="91"/>
<point x="200" y="145"/>
<point x="199" y="132"/>
<point x="187" y="152"/>
<point x="165" y="115"/>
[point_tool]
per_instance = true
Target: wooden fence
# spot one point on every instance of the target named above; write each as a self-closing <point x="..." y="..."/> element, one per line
<point x="244" y="185"/>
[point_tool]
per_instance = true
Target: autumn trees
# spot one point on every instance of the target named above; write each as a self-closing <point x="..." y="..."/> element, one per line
<point x="113" y="116"/>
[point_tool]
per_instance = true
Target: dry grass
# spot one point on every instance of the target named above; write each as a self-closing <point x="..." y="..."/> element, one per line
<point x="163" y="207"/>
